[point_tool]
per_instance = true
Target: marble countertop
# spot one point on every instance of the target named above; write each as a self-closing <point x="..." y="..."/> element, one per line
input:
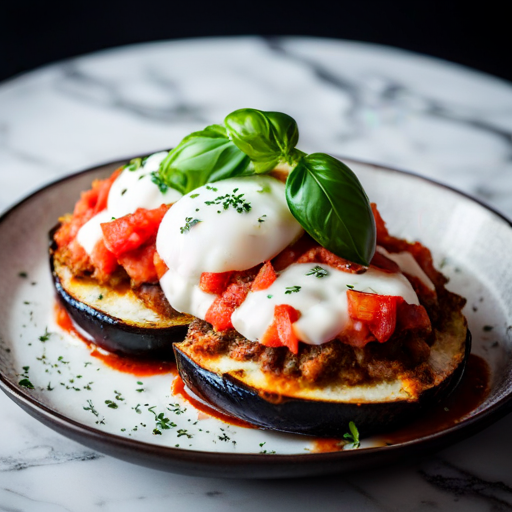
<point x="362" y="101"/>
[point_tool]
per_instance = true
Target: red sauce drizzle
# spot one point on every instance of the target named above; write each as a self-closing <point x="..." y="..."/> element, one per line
<point x="124" y="364"/>
<point x="469" y="394"/>
<point x="178" y="388"/>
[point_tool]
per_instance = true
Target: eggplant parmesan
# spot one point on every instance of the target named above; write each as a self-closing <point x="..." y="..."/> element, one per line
<point x="105" y="267"/>
<point x="290" y="336"/>
<point x="306" y="315"/>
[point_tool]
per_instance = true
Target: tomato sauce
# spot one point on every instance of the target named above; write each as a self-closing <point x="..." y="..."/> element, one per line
<point x="124" y="364"/>
<point x="178" y="388"/>
<point x="469" y="394"/>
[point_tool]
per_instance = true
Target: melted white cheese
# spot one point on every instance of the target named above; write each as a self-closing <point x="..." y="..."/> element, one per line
<point x="227" y="239"/>
<point x="322" y="302"/>
<point x="223" y="239"/>
<point x="408" y="265"/>
<point x="130" y="191"/>
<point x="135" y="189"/>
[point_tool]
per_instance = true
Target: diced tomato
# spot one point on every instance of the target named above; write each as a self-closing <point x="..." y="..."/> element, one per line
<point x="320" y="254"/>
<point x="293" y="252"/>
<point x="356" y="334"/>
<point x="160" y="266"/>
<point x="412" y="317"/>
<point x="103" y="189"/>
<point x="214" y="282"/>
<point x="90" y="203"/>
<point x="280" y="332"/>
<point x="104" y="261"/>
<point x="271" y="336"/>
<point x="266" y="276"/>
<point x="219" y="313"/>
<point x="139" y="264"/>
<point x="377" y="311"/>
<point x="132" y="231"/>
<point x="382" y="230"/>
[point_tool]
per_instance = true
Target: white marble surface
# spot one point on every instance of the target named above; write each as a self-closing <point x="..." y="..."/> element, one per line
<point x="362" y="101"/>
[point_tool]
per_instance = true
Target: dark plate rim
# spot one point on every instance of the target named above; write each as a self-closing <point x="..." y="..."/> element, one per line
<point x="77" y="430"/>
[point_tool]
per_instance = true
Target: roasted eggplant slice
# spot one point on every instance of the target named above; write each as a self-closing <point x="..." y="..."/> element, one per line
<point x="118" y="319"/>
<point x="244" y="390"/>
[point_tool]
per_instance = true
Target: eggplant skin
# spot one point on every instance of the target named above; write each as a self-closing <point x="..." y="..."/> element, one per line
<point x="227" y="392"/>
<point x="137" y="331"/>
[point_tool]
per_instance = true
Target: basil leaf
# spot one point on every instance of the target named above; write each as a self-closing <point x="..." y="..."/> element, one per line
<point x="326" y="197"/>
<point x="266" y="137"/>
<point x="203" y="157"/>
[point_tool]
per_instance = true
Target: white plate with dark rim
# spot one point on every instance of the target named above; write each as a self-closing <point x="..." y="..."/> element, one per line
<point x="74" y="392"/>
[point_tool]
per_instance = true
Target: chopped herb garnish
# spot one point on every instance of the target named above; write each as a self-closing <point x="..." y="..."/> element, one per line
<point x="140" y="383"/>
<point x="157" y="180"/>
<point x="184" y="432"/>
<point x="235" y="201"/>
<point x="189" y="222"/>
<point x="100" y="296"/>
<point x="488" y="328"/>
<point x="26" y="383"/>
<point x="111" y="404"/>
<point x="292" y="289"/>
<point x="23" y="274"/>
<point x="269" y="296"/>
<point x="137" y="409"/>
<point x="262" y="218"/>
<point x="351" y="286"/>
<point x="91" y="408"/>
<point x="177" y="409"/>
<point x="318" y="272"/>
<point x="118" y="395"/>
<point x="193" y="196"/>
<point x="45" y="336"/>
<point x="49" y="387"/>
<point x="353" y="435"/>
<point x="123" y="192"/>
<point x="211" y="188"/>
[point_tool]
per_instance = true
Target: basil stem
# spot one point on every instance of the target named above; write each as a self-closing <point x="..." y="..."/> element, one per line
<point x="328" y="200"/>
<point x="267" y="138"/>
<point x="203" y="157"/>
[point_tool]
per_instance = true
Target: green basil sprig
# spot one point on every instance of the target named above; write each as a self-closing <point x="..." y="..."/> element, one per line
<point x="267" y="138"/>
<point x="323" y="194"/>
<point x="328" y="200"/>
<point x="203" y="157"/>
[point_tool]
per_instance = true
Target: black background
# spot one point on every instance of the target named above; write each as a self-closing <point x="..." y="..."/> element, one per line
<point x="36" y="32"/>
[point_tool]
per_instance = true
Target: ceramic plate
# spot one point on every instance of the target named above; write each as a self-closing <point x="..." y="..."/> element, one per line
<point x="117" y="413"/>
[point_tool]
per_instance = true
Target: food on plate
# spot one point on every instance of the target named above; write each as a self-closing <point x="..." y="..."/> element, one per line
<point x="105" y="267"/>
<point x="309" y="314"/>
<point x="306" y="315"/>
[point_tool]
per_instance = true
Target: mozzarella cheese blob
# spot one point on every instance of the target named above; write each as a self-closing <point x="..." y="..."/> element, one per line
<point x="232" y="224"/>
<point x="320" y="297"/>
<point x="130" y="191"/>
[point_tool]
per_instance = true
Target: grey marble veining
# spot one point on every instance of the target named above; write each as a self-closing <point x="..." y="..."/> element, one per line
<point x="361" y="101"/>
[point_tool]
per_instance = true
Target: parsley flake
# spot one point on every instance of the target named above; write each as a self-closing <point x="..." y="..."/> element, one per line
<point x="262" y="218"/>
<point x="45" y="336"/>
<point x="351" y="286"/>
<point x="318" y="272"/>
<point x="26" y="384"/>
<point x="189" y="222"/>
<point x="235" y="201"/>
<point x="292" y="289"/>
<point x="159" y="182"/>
